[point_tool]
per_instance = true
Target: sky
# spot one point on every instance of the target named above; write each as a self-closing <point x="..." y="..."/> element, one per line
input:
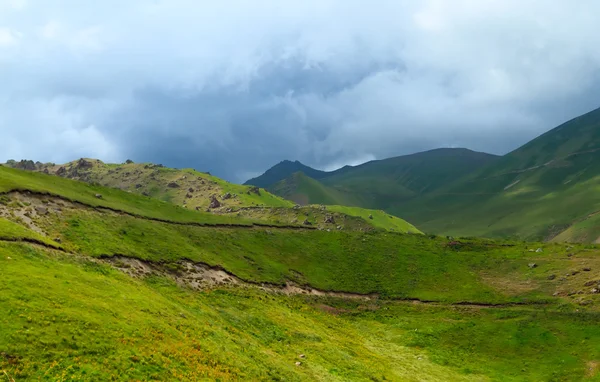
<point x="234" y="87"/>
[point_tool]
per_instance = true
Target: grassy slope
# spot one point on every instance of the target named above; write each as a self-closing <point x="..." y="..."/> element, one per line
<point x="377" y="218"/>
<point x="68" y="317"/>
<point x="18" y="180"/>
<point x="377" y="184"/>
<point x="391" y="264"/>
<point x="304" y="190"/>
<point x="282" y="171"/>
<point x="153" y="180"/>
<point x="383" y="183"/>
<point x="535" y="192"/>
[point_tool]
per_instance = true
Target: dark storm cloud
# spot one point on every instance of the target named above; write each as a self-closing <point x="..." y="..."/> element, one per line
<point x="234" y="87"/>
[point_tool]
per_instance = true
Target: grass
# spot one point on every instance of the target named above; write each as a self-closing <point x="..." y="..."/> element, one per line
<point x="391" y="264"/>
<point x="121" y="183"/>
<point x="68" y="318"/>
<point x="65" y="317"/>
<point x="17" y="180"/>
<point x="377" y="218"/>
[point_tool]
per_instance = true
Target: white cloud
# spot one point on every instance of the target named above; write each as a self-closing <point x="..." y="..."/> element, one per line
<point x="324" y="81"/>
<point x="9" y="37"/>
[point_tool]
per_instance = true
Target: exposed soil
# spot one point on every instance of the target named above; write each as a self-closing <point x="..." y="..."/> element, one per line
<point x="199" y="276"/>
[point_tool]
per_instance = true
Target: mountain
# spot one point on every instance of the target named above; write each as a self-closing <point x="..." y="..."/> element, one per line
<point x="201" y="191"/>
<point x="101" y="284"/>
<point x="544" y="190"/>
<point x="376" y="184"/>
<point x="282" y="170"/>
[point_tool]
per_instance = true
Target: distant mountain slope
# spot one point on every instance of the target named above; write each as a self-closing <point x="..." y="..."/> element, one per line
<point x="283" y="170"/>
<point x="376" y="184"/>
<point x="535" y="192"/>
<point x="304" y="190"/>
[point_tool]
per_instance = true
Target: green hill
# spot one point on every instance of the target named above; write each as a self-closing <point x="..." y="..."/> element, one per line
<point x="304" y="190"/>
<point x="125" y="287"/>
<point x="378" y="184"/>
<point x="193" y="190"/>
<point x="282" y="170"/>
<point x="547" y="189"/>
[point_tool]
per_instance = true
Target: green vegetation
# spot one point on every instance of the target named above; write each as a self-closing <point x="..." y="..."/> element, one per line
<point x="390" y="264"/>
<point x="17" y="180"/>
<point x="378" y="184"/>
<point x="303" y="190"/>
<point x="70" y="315"/>
<point x="69" y="318"/>
<point x="183" y="192"/>
<point x="546" y="190"/>
<point x="537" y="192"/>
<point x="377" y="218"/>
<point x="65" y="317"/>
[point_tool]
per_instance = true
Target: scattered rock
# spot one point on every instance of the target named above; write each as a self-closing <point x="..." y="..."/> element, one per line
<point x="58" y="239"/>
<point x="99" y="196"/>
<point x="137" y="186"/>
<point x="61" y="171"/>
<point x="190" y="189"/>
<point x="591" y="282"/>
<point x="339" y="227"/>
<point x="226" y="196"/>
<point x="145" y="193"/>
<point x="551" y="277"/>
<point x="173" y="185"/>
<point x="214" y="202"/>
<point x="595" y="290"/>
<point x="329" y="219"/>
<point x="254" y="190"/>
<point x="370" y="216"/>
<point x="41" y="210"/>
<point x="532" y="265"/>
<point x="586" y="269"/>
<point x="301" y="356"/>
<point x="298" y="363"/>
<point x="539" y="250"/>
<point x="306" y="222"/>
<point x="84" y="164"/>
<point x="188" y="195"/>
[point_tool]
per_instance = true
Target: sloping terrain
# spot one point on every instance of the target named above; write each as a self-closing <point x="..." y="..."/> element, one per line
<point x="545" y="190"/>
<point x="283" y="170"/>
<point x="99" y="293"/>
<point x="378" y="184"/>
<point x="202" y="192"/>
<point x="305" y="190"/>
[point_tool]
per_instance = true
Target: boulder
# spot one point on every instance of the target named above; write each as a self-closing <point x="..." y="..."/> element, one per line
<point x="98" y="196"/>
<point x="137" y="186"/>
<point x="214" y="202"/>
<point x="370" y="216"/>
<point x="226" y="196"/>
<point x="329" y="219"/>
<point x="190" y="189"/>
<point x="254" y="190"/>
<point x="173" y="185"/>
<point x="539" y="250"/>
<point x="306" y="222"/>
<point x="532" y="265"/>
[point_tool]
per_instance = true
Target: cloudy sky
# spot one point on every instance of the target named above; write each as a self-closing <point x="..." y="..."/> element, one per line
<point x="233" y="86"/>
